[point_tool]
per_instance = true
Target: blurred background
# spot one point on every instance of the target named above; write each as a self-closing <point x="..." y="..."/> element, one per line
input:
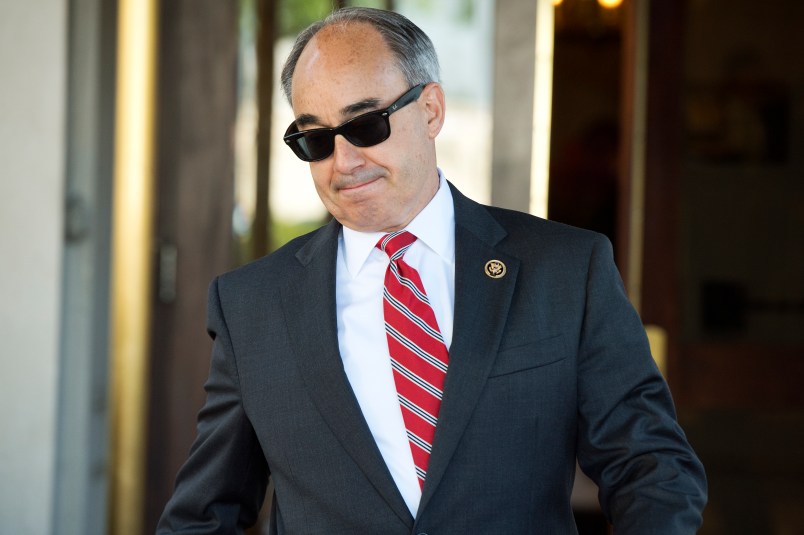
<point x="141" y="155"/>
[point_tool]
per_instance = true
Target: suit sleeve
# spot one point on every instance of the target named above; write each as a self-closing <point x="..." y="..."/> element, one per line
<point x="221" y="486"/>
<point x="630" y="443"/>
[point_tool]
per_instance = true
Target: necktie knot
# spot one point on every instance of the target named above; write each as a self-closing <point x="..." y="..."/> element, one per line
<point x="396" y="243"/>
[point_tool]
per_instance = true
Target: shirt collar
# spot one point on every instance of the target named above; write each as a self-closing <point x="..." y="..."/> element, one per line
<point x="434" y="226"/>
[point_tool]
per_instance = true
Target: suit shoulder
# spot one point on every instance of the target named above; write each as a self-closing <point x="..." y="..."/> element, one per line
<point x="521" y="226"/>
<point x="515" y="230"/>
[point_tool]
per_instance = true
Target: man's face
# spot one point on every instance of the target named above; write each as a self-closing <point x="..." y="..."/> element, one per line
<point x="347" y="71"/>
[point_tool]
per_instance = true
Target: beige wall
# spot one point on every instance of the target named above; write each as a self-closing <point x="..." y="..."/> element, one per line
<point x="32" y="152"/>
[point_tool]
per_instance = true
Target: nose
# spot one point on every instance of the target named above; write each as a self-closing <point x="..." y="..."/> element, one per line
<point x="346" y="157"/>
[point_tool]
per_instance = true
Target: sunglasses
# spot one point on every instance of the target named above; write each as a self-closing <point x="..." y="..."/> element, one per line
<point x="365" y="130"/>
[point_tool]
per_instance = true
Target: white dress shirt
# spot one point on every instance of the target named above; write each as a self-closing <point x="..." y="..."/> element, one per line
<point x="360" y="277"/>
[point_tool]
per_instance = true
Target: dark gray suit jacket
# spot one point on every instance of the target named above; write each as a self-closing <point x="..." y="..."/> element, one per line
<point x="548" y="363"/>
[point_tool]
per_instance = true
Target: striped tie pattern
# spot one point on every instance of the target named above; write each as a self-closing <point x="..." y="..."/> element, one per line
<point x="418" y="353"/>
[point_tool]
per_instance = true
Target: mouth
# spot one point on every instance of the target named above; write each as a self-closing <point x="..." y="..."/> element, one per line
<point x="355" y="185"/>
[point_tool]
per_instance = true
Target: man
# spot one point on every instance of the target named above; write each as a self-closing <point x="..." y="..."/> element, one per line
<point x="439" y="380"/>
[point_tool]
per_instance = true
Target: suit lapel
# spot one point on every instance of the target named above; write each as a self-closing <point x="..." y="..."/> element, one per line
<point x="309" y="305"/>
<point x="481" y="310"/>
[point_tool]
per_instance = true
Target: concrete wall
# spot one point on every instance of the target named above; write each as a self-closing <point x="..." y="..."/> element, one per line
<point x="32" y="152"/>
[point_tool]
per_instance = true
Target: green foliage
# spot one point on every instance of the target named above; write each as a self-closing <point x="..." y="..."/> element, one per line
<point x="467" y="11"/>
<point x="296" y="15"/>
<point x="282" y="232"/>
<point x="248" y="21"/>
<point x="379" y="4"/>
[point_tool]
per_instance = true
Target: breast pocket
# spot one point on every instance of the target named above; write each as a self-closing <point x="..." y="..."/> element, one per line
<point x="529" y="355"/>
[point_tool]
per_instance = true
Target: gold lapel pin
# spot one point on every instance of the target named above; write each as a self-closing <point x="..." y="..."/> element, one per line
<point x="495" y="269"/>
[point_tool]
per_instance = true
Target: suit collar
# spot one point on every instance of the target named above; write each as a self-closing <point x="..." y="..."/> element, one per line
<point x="475" y="219"/>
<point x="321" y="244"/>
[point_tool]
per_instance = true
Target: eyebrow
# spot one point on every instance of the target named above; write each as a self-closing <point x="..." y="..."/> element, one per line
<point x="365" y="105"/>
<point x="368" y="104"/>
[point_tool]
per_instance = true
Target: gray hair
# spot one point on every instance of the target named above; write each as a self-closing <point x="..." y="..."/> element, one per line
<point x="414" y="52"/>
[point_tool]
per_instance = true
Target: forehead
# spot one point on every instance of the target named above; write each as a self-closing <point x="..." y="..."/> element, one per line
<point x="345" y="63"/>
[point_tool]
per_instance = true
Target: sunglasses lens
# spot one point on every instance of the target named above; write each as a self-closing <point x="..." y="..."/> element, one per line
<point x="313" y="145"/>
<point x="367" y="130"/>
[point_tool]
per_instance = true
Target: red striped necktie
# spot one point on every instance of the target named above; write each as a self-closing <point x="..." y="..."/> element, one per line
<point x="418" y="353"/>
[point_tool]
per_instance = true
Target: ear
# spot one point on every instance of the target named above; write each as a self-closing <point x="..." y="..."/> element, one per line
<point x="435" y="108"/>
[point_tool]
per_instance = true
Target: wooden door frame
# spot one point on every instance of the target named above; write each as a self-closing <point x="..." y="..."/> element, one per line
<point x="702" y="375"/>
<point x="192" y="242"/>
<point x="652" y="125"/>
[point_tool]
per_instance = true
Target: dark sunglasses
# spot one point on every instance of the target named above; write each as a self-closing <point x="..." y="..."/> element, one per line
<point x="364" y="130"/>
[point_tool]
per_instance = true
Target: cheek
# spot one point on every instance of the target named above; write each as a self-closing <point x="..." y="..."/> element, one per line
<point x="321" y="176"/>
<point x="321" y="181"/>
